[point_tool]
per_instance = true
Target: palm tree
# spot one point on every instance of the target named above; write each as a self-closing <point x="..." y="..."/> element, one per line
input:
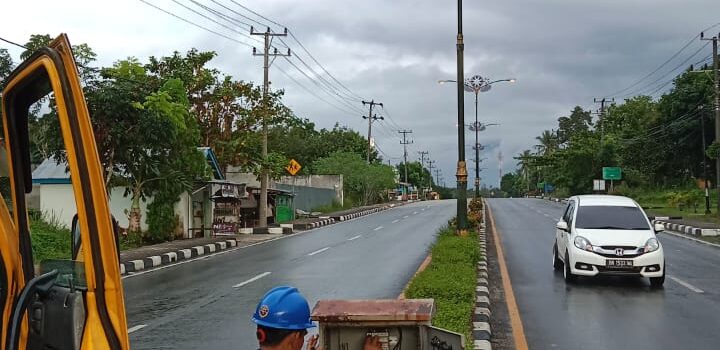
<point x="548" y="142"/>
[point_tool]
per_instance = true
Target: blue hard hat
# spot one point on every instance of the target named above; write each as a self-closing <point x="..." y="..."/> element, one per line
<point x="283" y="308"/>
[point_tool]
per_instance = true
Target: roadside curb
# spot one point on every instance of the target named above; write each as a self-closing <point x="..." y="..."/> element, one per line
<point x="685" y="236"/>
<point x="481" y="317"/>
<point x="173" y="257"/>
<point x="359" y="214"/>
<point x="687" y="229"/>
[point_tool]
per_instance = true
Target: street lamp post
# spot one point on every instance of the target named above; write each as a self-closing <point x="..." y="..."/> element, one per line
<point x="461" y="172"/>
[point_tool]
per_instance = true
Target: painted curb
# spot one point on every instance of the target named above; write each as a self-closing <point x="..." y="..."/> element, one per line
<point x="482" y="333"/>
<point x="173" y="257"/>
<point x="687" y="229"/>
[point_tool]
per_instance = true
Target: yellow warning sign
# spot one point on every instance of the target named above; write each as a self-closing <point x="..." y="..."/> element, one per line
<point x="293" y="167"/>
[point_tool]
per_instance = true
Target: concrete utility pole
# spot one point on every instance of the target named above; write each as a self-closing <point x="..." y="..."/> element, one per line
<point x="405" y="142"/>
<point x="461" y="172"/>
<point x="370" y="117"/>
<point x="422" y="167"/>
<point x="268" y="35"/>
<point x="716" y="83"/>
<point x="431" y="166"/>
<point x="437" y="177"/>
<point x="602" y="103"/>
<point x="704" y="162"/>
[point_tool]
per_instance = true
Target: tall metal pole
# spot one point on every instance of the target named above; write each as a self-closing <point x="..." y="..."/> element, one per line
<point x="370" y="119"/>
<point x="717" y="116"/>
<point x="477" y="148"/>
<point x="461" y="172"/>
<point x="405" y="142"/>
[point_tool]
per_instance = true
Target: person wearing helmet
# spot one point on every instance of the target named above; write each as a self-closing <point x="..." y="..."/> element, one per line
<point x="283" y="318"/>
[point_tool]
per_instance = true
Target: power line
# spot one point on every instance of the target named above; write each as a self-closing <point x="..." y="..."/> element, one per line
<point x="286" y="74"/>
<point x="195" y="24"/>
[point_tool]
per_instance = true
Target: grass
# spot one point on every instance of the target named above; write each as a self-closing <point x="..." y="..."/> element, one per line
<point x="49" y="239"/>
<point x="335" y="206"/>
<point x="450" y="279"/>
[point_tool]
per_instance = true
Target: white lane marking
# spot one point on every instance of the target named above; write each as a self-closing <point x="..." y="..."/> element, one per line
<point x="415" y="213"/>
<point x="395" y="221"/>
<point x="252" y="279"/>
<point x="686" y="285"/>
<point x="547" y="215"/>
<point x="378" y="228"/>
<point x="354" y="238"/>
<point x="136" y="328"/>
<point x="405" y="217"/>
<point x="318" y="251"/>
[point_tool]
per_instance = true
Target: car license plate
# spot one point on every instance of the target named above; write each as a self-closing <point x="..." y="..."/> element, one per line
<point x="614" y="263"/>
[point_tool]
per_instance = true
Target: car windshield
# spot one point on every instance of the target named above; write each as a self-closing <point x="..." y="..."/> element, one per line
<point x="611" y="218"/>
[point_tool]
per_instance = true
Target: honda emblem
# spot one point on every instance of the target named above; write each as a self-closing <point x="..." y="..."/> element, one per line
<point x="619" y="251"/>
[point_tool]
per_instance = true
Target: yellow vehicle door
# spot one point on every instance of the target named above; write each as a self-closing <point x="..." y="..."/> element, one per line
<point x="76" y="301"/>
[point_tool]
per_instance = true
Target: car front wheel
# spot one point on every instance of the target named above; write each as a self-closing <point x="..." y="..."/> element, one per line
<point x="657" y="282"/>
<point x="557" y="263"/>
<point x="567" y="273"/>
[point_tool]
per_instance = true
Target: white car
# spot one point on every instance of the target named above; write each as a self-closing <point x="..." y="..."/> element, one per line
<point x="607" y="235"/>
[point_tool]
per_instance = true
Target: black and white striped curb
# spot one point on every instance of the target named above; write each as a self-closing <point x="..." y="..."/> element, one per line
<point x="690" y="230"/>
<point x="481" y="317"/>
<point x="323" y="222"/>
<point x="173" y="257"/>
<point x="359" y="214"/>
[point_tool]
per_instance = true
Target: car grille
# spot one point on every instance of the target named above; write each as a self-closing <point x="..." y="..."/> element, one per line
<point x="635" y="270"/>
<point x="629" y="252"/>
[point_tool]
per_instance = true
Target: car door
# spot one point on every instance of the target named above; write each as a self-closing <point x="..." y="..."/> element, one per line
<point x="73" y="302"/>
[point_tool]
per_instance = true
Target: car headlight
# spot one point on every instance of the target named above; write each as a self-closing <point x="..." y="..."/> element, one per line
<point x="651" y="245"/>
<point x="582" y="243"/>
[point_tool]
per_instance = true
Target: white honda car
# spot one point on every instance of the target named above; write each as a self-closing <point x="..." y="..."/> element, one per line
<point x="607" y="235"/>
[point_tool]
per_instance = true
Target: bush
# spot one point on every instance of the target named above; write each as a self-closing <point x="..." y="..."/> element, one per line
<point x="161" y="220"/>
<point x="450" y="280"/>
<point x="50" y="239"/>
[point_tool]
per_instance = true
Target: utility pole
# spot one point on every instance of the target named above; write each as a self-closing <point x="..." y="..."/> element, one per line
<point x="602" y="103"/>
<point x="268" y="36"/>
<point x="405" y="142"/>
<point x="704" y="162"/>
<point x="370" y="117"/>
<point x="461" y="172"/>
<point x="431" y="166"/>
<point x="422" y="168"/>
<point x="716" y="83"/>
<point x="437" y="177"/>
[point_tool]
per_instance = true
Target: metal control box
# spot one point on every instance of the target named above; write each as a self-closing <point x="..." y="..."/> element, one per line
<point x="400" y="324"/>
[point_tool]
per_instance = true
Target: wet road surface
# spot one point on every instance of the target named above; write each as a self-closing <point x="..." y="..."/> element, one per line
<point x="207" y="304"/>
<point x="607" y="312"/>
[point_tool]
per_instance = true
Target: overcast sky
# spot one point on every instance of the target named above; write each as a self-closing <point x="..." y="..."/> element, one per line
<point x="562" y="52"/>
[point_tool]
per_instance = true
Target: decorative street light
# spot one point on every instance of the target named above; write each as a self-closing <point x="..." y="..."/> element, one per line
<point x="477" y="84"/>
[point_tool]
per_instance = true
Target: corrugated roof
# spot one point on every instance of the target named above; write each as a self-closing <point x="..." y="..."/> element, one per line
<point x="50" y="172"/>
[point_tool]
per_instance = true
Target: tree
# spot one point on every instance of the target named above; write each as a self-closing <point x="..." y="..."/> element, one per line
<point x="548" y="142"/>
<point x="364" y="182"/>
<point x="6" y="65"/>
<point x="578" y="122"/>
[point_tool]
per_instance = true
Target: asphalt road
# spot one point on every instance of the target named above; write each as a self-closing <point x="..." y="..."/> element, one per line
<point x="607" y="312"/>
<point x="207" y="304"/>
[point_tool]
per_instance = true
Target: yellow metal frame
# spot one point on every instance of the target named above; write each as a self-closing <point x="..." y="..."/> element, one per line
<point x="106" y="324"/>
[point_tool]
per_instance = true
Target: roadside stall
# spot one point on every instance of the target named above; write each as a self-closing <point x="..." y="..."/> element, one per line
<point x="227" y="198"/>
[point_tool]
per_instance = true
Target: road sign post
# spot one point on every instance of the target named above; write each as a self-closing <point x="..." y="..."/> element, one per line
<point x="612" y="174"/>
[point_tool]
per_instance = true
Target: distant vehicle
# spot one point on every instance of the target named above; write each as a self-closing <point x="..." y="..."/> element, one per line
<point x="607" y="235"/>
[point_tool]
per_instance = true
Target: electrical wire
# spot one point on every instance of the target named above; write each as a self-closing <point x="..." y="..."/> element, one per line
<point x="616" y="93"/>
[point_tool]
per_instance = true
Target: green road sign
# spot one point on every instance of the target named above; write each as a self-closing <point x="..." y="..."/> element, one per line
<point x="540" y="185"/>
<point x="612" y="173"/>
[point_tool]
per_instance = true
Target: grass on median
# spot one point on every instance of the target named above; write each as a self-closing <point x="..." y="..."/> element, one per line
<point x="450" y="279"/>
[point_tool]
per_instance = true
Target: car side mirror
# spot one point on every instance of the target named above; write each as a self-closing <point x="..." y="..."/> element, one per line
<point x="76" y="242"/>
<point x="659" y="227"/>
<point x="562" y="225"/>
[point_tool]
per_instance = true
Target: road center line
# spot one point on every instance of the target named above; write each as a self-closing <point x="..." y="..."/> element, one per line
<point x="318" y="251"/>
<point x="686" y="285"/>
<point x="136" y="328"/>
<point x="378" y="228"/>
<point x="415" y="213"/>
<point x="395" y="221"/>
<point x="354" y="238"/>
<point x="405" y="217"/>
<point x="252" y="279"/>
